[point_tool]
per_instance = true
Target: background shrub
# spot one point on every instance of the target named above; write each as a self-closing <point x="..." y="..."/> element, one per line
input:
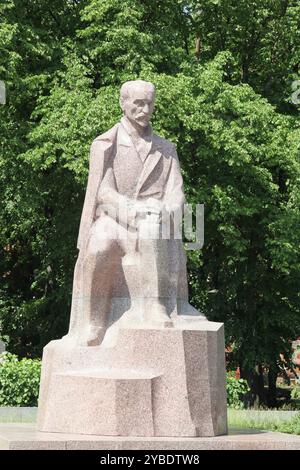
<point x="235" y="388"/>
<point x="19" y="380"/>
<point x="292" y="427"/>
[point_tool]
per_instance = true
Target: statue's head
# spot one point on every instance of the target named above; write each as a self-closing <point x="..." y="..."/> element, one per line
<point x="137" y="101"/>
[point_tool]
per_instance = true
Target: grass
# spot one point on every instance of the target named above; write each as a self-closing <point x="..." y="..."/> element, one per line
<point x="17" y="414"/>
<point x="280" y="421"/>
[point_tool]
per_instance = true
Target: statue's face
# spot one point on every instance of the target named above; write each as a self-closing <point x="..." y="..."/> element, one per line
<point x="138" y="106"/>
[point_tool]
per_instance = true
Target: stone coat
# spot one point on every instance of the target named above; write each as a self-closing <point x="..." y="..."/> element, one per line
<point x="159" y="175"/>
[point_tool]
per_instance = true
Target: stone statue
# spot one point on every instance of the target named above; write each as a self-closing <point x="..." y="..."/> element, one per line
<point x="136" y="174"/>
<point x="138" y="360"/>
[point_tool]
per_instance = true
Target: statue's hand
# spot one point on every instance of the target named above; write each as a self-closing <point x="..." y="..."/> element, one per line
<point x="150" y="206"/>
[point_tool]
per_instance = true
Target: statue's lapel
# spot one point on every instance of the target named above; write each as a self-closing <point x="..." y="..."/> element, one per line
<point x="123" y="138"/>
<point x="150" y="164"/>
<point x="151" y="161"/>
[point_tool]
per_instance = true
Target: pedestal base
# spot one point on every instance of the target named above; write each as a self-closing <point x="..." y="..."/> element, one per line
<point x="140" y="382"/>
<point x="25" y="437"/>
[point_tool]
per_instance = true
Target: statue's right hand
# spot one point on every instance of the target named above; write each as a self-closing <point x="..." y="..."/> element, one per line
<point x="151" y="206"/>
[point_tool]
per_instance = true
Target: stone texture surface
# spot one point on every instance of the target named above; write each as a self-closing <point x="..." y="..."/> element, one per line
<point x="105" y="403"/>
<point x="139" y="381"/>
<point x="25" y="437"/>
<point x="138" y="359"/>
<point x="130" y="263"/>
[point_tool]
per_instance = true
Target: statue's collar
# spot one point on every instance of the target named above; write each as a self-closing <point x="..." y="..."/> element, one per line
<point x="132" y="132"/>
<point x="126" y="138"/>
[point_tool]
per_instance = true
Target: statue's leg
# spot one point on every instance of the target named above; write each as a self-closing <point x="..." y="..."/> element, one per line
<point x="99" y="266"/>
<point x="174" y="264"/>
<point x="76" y="308"/>
<point x="155" y="275"/>
<point x="182" y="282"/>
<point x="93" y="278"/>
<point x="131" y="267"/>
<point x="145" y="266"/>
<point x="184" y="309"/>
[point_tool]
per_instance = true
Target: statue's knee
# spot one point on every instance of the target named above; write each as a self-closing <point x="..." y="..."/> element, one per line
<point x="102" y="243"/>
<point x="98" y="249"/>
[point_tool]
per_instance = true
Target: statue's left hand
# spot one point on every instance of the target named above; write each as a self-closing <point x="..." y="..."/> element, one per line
<point x="151" y="205"/>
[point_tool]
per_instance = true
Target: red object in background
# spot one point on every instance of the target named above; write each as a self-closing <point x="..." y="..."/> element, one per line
<point x="295" y="359"/>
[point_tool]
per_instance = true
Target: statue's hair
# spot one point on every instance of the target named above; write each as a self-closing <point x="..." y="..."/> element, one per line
<point x="127" y="87"/>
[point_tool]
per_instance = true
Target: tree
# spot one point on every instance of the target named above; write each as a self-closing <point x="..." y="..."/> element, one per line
<point x="32" y="37"/>
<point x="237" y="141"/>
<point x="263" y="37"/>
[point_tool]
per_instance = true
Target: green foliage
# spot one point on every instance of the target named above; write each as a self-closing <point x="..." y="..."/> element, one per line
<point x="295" y="393"/>
<point x="237" y="135"/>
<point x="268" y="420"/>
<point x="291" y="427"/>
<point x="19" y="380"/>
<point x="271" y="423"/>
<point x="263" y="35"/>
<point x="235" y="389"/>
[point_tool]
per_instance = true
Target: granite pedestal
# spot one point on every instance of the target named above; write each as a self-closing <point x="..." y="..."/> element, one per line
<point x="140" y="381"/>
<point x="25" y="437"/>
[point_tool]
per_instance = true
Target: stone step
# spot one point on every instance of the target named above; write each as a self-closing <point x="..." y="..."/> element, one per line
<point x="101" y="402"/>
<point x="111" y="373"/>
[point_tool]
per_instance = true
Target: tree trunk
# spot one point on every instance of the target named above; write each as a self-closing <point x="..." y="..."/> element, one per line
<point x="272" y="378"/>
<point x="256" y="396"/>
<point x="198" y="48"/>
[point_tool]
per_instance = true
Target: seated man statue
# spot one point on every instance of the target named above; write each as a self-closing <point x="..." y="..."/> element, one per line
<point x="126" y="271"/>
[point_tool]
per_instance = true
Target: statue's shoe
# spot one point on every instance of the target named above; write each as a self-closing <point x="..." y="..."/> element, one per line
<point x="186" y="312"/>
<point x="133" y="316"/>
<point x="158" y="316"/>
<point x="92" y="336"/>
<point x="152" y="315"/>
<point x="70" y="340"/>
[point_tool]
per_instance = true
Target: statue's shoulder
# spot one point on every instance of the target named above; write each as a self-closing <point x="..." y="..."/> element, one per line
<point x="107" y="138"/>
<point x="167" y="147"/>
